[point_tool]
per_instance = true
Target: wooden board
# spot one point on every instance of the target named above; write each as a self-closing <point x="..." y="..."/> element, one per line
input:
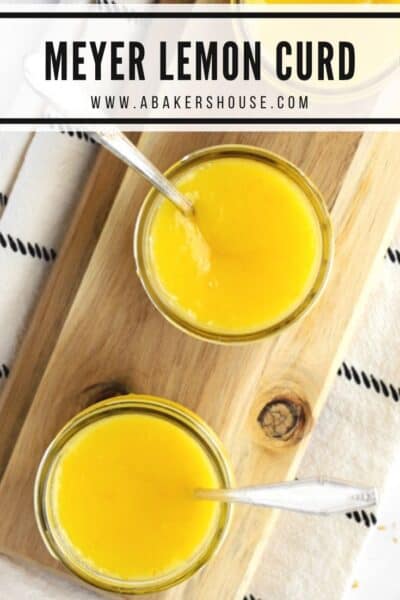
<point x="55" y="299"/>
<point x="113" y="333"/>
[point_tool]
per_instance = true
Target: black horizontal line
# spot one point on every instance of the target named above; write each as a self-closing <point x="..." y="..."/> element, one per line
<point x="199" y="15"/>
<point x="202" y="121"/>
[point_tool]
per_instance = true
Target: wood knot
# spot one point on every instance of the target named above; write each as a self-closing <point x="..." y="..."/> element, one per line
<point x="285" y="419"/>
<point x="102" y="391"/>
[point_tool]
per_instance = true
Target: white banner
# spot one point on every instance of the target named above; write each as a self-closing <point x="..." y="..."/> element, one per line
<point x="185" y="67"/>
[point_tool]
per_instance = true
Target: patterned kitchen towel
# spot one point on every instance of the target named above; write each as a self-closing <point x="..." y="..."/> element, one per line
<point x="37" y="204"/>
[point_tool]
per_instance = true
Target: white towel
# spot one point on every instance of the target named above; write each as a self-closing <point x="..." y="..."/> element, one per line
<point x="12" y="151"/>
<point x="39" y="203"/>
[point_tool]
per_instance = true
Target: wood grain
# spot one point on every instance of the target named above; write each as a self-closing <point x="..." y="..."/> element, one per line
<point x="56" y="297"/>
<point x="113" y="333"/>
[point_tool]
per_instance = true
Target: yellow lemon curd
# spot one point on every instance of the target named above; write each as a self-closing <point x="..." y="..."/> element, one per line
<point x="250" y="254"/>
<point x="123" y="496"/>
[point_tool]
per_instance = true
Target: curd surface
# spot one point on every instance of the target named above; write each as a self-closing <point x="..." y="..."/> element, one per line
<point x="123" y="496"/>
<point x="248" y="257"/>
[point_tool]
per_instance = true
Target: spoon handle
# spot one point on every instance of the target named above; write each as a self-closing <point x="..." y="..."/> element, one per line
<point x="318" y="496"/>
<point x="122" y="147"/>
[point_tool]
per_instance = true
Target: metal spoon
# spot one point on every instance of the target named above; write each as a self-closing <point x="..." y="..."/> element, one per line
<point x="122" y="147"/>
<point x="115" y="141"/>
<point x="318" y="496"/>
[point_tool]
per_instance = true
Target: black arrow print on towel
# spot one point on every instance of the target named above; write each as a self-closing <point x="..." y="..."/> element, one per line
<point x="393" y="254"/>
<point x="34" y="250"/>
<point x="4" y="371"/>
<point x="369" y="381"/>
<point x="81" y="135"/>
<point x="360" y="516"/>
<point x="65" y="130"/>
<point x="3" y="199"/>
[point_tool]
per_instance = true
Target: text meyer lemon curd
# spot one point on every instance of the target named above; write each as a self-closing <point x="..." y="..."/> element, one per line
<point x="123" y="498"/>
<point x="250" y="254"/>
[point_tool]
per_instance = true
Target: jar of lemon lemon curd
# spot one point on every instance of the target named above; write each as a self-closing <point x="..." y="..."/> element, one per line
<point x="114" y="494"/>
<point x="353" y="81"/>
<point x="251" y="260"/>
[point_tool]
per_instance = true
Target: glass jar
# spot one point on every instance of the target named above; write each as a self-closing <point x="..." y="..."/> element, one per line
<point x="45" y="482"/>
<point x="149" y="209"/>
<point x="376" y="63"/>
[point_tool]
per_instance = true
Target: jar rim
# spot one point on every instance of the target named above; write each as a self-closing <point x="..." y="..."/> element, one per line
<point x="296" y="175"/>
<point x="143" y="404"/>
